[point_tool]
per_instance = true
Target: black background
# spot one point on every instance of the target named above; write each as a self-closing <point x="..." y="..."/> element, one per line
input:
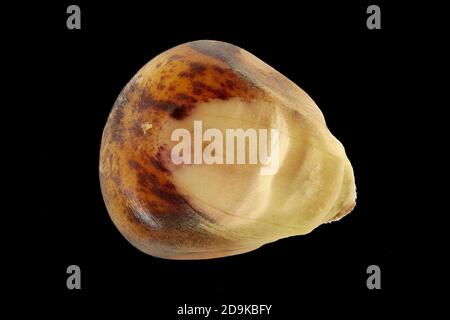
<point x="354" y="75"/>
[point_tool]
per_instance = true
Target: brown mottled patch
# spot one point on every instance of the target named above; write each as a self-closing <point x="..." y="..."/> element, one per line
<point x="218" y="69"/>
<point x="197" y="88"/>
<point x="117" y="126"/>
<point x="234" y="59"/>
<point x="158" y="164"/>
<point x="177" y="87"/>
<point x="117" y="117"/>
<point x="133" y="164"/>
<point x="156" y="161"/>
<point x="146" y="206"/>
<point x="169" y="195"/>
<point x="148" y="182"/>
<point x="185" y="98"/>
<point x="178" y="107"/>
<point x="218" y="93"/>
<point x="174" y="57"/>
<point x="146" y="100"/>
<point x="136" y="130"/>
<point x="196" y="69"/>
<point x="230" y="84"/>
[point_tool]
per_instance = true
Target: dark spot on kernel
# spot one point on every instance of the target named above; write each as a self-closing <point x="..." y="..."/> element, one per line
<point x="160" y="86"/>
<point x="158" y="65"/>
<point x="197" y="68"/>
<point x="179" y="113"/>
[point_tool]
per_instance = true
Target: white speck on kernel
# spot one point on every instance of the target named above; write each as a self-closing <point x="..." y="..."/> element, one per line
<point x="146" y="126"/>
